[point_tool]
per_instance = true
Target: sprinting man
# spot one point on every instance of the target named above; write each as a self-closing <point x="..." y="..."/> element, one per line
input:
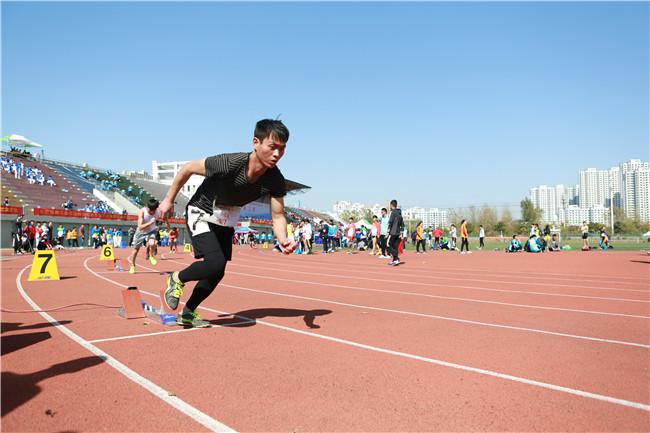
<point x="231" y="180"/>
<point x="145" y="234"/>
<point x="173" y="240"/>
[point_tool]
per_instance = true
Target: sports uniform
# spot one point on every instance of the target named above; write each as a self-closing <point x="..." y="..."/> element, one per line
<point x="213" y="212"/>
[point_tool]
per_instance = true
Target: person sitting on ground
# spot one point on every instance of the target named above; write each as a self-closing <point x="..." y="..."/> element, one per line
<point x="554" y="244"/>
<point x="515" y="245"/>
<point x="604" y="239"/>
<point x="533" y="245"/>
<point x="443" y="243"/>
<point x="50" y="181"/>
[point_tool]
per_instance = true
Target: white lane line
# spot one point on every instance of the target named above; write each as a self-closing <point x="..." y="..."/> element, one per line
<point x="340" y="275"/>
<point x="175" y="402"/>
<point x="445" y="297"/>
<point x="520" y="274"/>
<point x="101" y="340"/>
<point x="472" y="322"/>
<point x="567" y="390"/>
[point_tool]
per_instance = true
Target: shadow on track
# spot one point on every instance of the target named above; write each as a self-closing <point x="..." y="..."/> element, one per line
<point x="24" y="387"/>
<point x="260" y="313"/>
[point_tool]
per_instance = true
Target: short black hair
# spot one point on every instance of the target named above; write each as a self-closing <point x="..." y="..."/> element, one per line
<point x="273" y="128"/>
<point x="152" y="204"/>
<point x="393" y="202"/>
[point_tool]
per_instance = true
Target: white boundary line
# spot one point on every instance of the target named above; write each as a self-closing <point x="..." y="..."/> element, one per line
<point x="175" y="402"/>
<point x="461" y="278"/>
<point x="567" y="390"/>
<point x="472" y="322"/>
<point x="572" y="391"/>
<point x="441" y="297"/>
<point x="523" y="274"/>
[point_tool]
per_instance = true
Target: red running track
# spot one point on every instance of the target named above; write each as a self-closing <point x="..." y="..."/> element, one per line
<point x="446" y="342"/>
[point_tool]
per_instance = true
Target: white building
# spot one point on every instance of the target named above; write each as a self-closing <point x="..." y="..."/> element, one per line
<point x="597" y="214"/>
<point x="433" y="217"/>
<point x="164" y="172"/>
<point x="594" y="188"/>
<point x="626" y="186"/>
<point x="553" y="201"/>
<point x="634" y="188"/>
<point x="576" y="215"/>
<point x="342" y="206"/>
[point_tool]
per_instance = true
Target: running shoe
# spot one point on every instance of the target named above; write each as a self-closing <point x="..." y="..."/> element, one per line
<point x="393" y="263"/>
<point x="153" y="260"/>
<point x="132" y="270"/>
<point x="192" y="318"/>
<point x="173" y="292"/>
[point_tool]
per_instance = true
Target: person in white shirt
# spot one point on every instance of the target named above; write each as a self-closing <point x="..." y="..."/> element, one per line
<point x="306" y="236"/>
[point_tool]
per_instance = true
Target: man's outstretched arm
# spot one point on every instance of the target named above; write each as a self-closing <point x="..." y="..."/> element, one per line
<point x="166" y="208"/>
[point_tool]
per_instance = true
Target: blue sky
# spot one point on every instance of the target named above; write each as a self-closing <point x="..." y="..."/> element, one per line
<point x="437" y="104"/>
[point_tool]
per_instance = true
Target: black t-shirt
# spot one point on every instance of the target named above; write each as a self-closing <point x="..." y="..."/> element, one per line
<point x="226" y="183"/>
<point x="18" y="226"/>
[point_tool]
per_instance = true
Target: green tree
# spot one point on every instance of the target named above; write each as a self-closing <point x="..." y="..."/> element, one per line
<point x="489" y="218"/>
<point x="530" y="213"/>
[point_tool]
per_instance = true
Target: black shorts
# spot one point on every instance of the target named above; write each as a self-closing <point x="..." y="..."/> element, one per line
<point x="585" y="235"/>
<point x="219" y="238"/>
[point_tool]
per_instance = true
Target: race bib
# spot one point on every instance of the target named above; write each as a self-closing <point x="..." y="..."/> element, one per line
<point x="227" y="216"/>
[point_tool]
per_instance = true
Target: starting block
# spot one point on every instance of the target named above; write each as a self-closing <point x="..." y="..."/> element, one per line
<point x="131" y="304"/>
<point x="117" y="264"/>
<point x="133" y="307"/>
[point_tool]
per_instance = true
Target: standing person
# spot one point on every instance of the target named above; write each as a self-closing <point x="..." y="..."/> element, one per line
<point x="37" y="235"/>
<point x="18" y="232"/>
<point x="383" y="233"/>
<point x="131" y="234"/>
<point x="231" y="180"/>
<point x="95" y="236"/>
<point x="60" y="234"/>
<point x="351" y="230"/>
<point x="464" y="237"/>
<point x="452" y="235"/>
<point x="585" y="235"/>
<point x="395" y="229"/>
<point x="82" y="235"/>
<point x="324" y="233"/>
<point x="145" y="235"/>
<point x="481" y="236"/>
<point x="419" y="239"/>
<point x="74" y="236"/>
<point x="307" y="234"/>
<point x="374" y="233"/>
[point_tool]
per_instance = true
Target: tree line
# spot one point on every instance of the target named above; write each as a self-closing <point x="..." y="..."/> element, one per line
<point x="500" y="221"/>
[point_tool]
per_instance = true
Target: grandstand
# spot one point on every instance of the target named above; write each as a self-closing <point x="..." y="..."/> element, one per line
<point x="159" y="190"/>
<point x="44" y="196"/>
<point x="79" y="189"/>
<point x="72" y="174"/>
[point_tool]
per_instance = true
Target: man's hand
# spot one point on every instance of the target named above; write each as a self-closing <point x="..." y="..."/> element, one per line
<point x="165" y="209"/>
<point x="288" y="246"/>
